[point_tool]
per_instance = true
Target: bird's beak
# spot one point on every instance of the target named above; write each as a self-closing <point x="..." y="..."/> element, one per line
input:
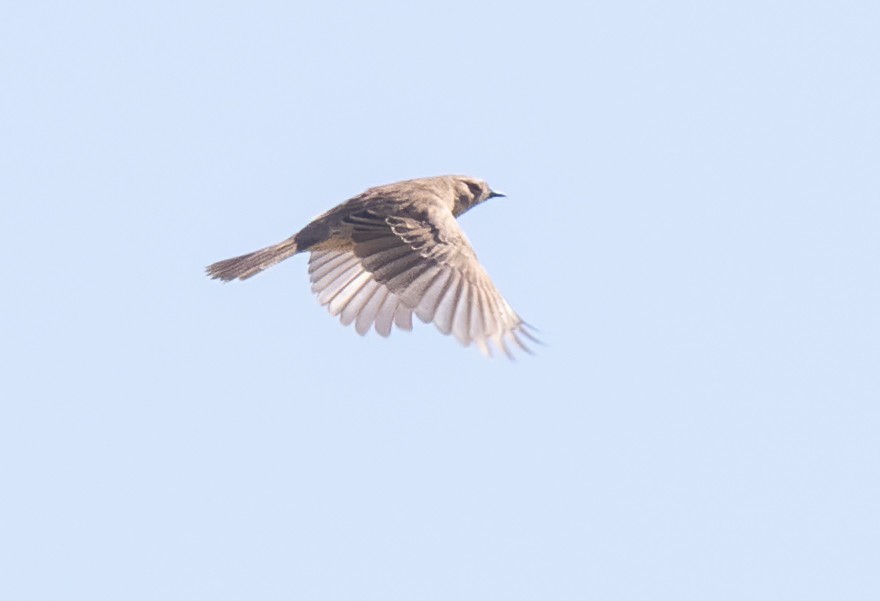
<point x="493" y="194"/>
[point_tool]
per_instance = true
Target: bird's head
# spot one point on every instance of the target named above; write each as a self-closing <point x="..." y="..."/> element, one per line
<point x="469" y="192"/>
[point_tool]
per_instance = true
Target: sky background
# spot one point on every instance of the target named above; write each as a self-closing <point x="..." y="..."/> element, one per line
<point x="692" y="223"/>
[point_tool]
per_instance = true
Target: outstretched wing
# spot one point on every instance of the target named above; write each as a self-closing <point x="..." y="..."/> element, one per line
<point x="400" y="265"/>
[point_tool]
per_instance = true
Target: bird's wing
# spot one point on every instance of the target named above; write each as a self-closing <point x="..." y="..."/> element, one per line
<point x="400" y="265"/>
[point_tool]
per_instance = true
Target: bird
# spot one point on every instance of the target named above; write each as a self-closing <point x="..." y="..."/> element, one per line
<point x="396" y="250"/>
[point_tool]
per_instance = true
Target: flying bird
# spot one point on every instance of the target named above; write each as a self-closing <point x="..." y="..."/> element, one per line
<point x="394" y="251"/>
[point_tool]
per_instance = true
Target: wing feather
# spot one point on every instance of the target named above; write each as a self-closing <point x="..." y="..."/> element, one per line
<point x="368" y="314"/>
<point x="422" y="263"/>
<point x="359" y="301"/>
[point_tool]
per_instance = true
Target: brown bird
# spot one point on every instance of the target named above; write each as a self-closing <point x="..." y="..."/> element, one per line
<point x="396" y="250"/>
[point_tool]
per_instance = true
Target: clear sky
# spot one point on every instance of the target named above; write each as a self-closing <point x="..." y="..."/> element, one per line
<point x="692" y="223"/>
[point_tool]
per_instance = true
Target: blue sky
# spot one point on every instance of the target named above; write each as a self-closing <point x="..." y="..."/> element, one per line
<point x="691" y="222"/>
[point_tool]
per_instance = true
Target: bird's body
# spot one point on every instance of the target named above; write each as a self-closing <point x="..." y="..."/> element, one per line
<point x="395" y="250"/>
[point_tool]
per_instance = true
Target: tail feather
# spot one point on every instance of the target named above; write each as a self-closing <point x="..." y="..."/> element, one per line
<point x="251" y="264"/>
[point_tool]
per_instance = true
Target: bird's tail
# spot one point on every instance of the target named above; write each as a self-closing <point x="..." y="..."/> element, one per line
<point x="253" y="263"/>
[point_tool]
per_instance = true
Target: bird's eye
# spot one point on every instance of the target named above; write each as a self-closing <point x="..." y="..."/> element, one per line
<point x="476" y="189"/>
